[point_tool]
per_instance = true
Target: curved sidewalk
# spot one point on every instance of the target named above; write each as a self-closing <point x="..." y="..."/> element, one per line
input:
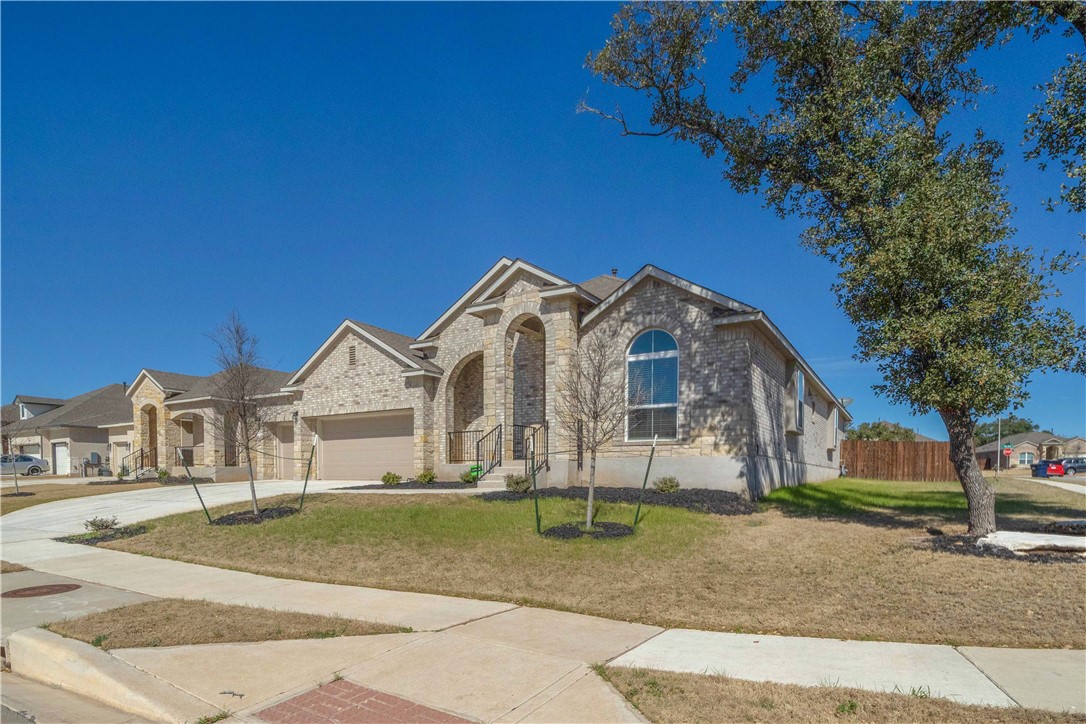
<point x="484" y="641"/>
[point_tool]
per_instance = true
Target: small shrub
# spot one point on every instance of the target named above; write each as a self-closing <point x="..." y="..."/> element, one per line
<point x="426" y="477"/>
<point x="518" y="483"/>
<point x="99" y="640"/>
<point x="467" y="477"/>
<point x="666" y="484"/>
<point x="163" y="473"/>
<point x="391" y="478"/>
<point x="100" y="523"/>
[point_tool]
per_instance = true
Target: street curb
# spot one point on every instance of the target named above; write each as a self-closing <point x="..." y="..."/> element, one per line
<point x="83" y="669"/>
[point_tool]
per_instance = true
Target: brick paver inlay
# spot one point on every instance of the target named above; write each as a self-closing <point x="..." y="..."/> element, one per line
<point x="343" y="702"/>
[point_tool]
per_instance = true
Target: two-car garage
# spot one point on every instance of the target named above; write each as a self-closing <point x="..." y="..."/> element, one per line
<point x="366" y="446"/>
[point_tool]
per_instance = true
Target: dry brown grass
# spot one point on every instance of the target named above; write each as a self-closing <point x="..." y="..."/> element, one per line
<point x="773" y="572"/>
<point x="177" y="622"/>
<point x="6" y="567"/>
<point x="47" y="493"/>
<point x="663" y="696"/>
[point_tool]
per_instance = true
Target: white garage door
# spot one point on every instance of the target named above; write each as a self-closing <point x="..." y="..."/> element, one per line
<point x="367" y="446"/>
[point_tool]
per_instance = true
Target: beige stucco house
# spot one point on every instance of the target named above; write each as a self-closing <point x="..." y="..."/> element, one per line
<point x="84" y="434"/>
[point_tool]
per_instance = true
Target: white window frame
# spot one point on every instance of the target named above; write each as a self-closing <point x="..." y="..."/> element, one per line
<point x="801" y="389"/>
<point x="1025" y="458"/>
<point x="651" y="356"/>
<point x="24" y="414"/>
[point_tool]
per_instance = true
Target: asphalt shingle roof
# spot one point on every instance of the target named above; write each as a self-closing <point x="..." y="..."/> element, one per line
<point x="399" y="342"/>
<point x="271" y="381"/>
<point x="602" y="286"/>
<point x="103" y="406"/>
<point x="1036" y="437"/>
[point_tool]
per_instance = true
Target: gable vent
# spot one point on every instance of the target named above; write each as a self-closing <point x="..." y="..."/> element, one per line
<point x="352" y="355"/>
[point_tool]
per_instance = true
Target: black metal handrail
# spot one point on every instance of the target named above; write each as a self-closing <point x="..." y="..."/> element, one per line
<point x="140" y="460"/>
<point x="538" y="444"/>
<point x="488" y="452"/>
<point x="461" y="448"/>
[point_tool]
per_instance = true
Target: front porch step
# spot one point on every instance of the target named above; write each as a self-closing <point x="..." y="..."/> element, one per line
<point x="495" y="480"/>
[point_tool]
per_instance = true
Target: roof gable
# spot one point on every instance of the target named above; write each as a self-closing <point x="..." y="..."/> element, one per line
<point x="510" y="275"/>
<point x="90" y="409"/>
<point x="466" y="298"/>
<point x="395" y="345"/>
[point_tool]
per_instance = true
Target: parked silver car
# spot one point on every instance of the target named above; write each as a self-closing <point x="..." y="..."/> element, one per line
<point x="1074" y="465"/>
<point x="24" y="464"/>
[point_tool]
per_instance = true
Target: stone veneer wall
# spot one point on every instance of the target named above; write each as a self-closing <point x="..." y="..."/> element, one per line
<point x="372" y="384"/>
<point x="780" y="458"/>
<point x="714" y="415"/>
<point x="529" y="378"/>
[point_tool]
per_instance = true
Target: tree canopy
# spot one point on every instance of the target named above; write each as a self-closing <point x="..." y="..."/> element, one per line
<point x="881" y="430"/>
<point x="954" y="315"/>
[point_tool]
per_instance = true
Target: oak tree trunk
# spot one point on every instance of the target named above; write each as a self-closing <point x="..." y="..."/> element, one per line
<point x="979" y="494"/>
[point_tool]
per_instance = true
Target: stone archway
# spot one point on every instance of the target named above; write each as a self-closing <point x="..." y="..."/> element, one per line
<point x="465" y="418"/>
<point x="526" y="380"/>
<point x="149" y="432"/>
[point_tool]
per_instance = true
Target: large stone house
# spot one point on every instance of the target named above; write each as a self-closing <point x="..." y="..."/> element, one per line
<point x="730" y="401"/>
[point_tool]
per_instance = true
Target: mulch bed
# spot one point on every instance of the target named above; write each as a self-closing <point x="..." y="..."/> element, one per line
<point x="570" y="531"/>
<point x="16" y="495"/>
<point x="966" y="545"/>
<point x="171" y="480"/>
<point x="699" y="500"/>
<point x="104" y="536"/>
<point x="247" y="517"/>
<point x="411" y="485"/>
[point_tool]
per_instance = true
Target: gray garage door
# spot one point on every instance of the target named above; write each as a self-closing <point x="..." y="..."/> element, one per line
<point x="367" y="446"/>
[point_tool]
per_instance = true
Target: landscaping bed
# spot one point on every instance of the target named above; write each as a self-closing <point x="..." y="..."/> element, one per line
<point x="412" y="485"/>
<point x="178" y="622"/>
<point x="853" y="571"/>
<point x="169" y="480"/>
<point x="699" y="500"/>
<point x="104" y="536"/>
<point x="248" y="517"/>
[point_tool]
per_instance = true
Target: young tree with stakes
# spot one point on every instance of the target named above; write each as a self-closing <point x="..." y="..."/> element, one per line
<point x="595" y="400"/>
<point x="955" y="317"/>
<point x="240" y="415"/>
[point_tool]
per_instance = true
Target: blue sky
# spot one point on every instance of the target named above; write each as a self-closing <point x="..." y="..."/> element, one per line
<point x="164" y="163"/>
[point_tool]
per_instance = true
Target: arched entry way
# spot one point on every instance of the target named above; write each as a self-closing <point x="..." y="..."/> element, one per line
<point x="526" y="391"/>
<point x="149" y="434"/>
<point x="464" y="416"/>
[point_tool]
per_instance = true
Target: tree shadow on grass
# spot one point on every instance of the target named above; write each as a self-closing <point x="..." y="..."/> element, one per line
<point x="905" y="508"/>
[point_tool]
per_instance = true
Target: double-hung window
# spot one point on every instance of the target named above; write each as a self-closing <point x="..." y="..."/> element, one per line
<point x="652" y="383"/>
<point x="1025" y="458"/>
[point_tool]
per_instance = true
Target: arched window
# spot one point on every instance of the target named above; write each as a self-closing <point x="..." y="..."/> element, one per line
<point x="652" y="383"/>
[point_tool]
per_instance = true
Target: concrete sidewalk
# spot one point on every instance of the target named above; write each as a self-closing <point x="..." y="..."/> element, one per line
<point x="488" y="660"/>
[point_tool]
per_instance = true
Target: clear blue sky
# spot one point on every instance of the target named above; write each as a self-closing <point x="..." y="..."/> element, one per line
<point x="164" y="163"/>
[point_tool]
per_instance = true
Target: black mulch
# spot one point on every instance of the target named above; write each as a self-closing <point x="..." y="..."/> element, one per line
<point x="411" y="485"/>
<point x="104" y="536"/>
<point x="700" y="500"/>
<point x="170" y="480"/>
<point x="247" y="517"/>
<point x="569" y="531"/>
<point x="1065" y="527"/>
<point x="16" y="495"/>
<point x="966" y="545"/>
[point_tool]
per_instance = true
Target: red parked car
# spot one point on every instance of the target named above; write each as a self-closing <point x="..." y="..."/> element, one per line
<point x="1047" y="469"/>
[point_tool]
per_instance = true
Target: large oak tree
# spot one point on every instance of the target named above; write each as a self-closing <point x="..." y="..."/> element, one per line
<point x="955" y="316"/>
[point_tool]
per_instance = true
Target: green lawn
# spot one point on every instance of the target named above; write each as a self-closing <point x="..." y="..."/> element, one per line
<point x="845" y="559"/>
<point x="908" y="502"/>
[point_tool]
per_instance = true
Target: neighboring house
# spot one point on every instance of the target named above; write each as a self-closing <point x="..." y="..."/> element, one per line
<point x="1028" y="448"/>
<point x="733" y="403"/>
<point x="67" y="432"/>
<point x="8" y="415"/>
<point x="175" y="422"/>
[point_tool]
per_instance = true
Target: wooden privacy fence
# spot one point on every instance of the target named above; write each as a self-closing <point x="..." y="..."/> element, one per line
<point x="888" y="460"/>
